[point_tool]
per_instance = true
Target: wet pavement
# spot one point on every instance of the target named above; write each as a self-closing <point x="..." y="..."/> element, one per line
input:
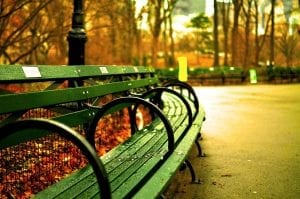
<point x="251" y="139"/>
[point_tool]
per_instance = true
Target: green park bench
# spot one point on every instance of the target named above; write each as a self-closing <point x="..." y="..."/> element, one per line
<point x="206" y="76"/>
<point x="278" y="74"/>
<point x="233" y="74"/>
<point x="212" y="75"/>
<point x="218" y="75"/>
<point x="60" y="152"/>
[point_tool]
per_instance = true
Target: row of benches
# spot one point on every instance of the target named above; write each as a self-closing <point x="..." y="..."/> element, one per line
<point x="235" y="75"/>
<point x="56" y="121"/>
<point x="212" y="75"/>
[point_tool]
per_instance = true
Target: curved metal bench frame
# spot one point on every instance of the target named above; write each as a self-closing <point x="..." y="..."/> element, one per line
<point x="194" y="99"/>
<point x="134" y="101"/>
<point x="184" y="85"/>
<point x="159" y="90"/>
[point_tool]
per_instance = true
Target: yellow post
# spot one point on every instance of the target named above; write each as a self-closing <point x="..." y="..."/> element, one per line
<point x="182" y="73"/>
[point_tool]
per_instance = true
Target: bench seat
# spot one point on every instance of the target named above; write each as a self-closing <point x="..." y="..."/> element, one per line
<point x="163" y="176"/>
<point x="124" y="166"/>
<point x="133" y="163"/>
<point x="128" y="166"/>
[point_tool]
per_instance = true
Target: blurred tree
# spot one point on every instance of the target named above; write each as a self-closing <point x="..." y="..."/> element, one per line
<point x="130" y="30"/>
<point x="237" y="6"/>
<point x="34" y="32"/>
<point x="139" y="51"/>
<point x="247" y="12"/>
<point x="111" y="27"/>
<point x="260" y="37"/>
<point x="160" y="11"/>
<point x="185" y="43"/>
<point x="21" y="35"/>
<point x="168" y="38"/>
<point x="225" y="11"/>
<point x="201" y="23"/>
<point x="58" y="16"/>
<point x="287" y="44"/>
<point x="155" y="20"/>
<point x="216" y="34"/>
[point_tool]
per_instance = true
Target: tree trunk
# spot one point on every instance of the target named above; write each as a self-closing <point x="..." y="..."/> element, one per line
<point x="216" y="34"/>
<point x="259" y="38"/>
<point x="247" y="13"/>
<point x="154" y="50"/>
<point x="225" y="14"/>
<point x="113" y="38"/>
<point x="165" y="40"/>
<point x="237" y="4"/>
<point x="155" y="19"/>
<point x="129" y="36"/>
<point x="172" y="43"/>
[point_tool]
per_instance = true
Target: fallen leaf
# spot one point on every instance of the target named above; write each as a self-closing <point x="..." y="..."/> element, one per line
<point x="226" y="175"/>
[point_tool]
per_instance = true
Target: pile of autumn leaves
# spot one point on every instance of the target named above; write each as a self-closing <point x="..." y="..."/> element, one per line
<point x="30" y="167"/>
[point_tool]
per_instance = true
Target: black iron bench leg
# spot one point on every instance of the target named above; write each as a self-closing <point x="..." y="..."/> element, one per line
<point x="199" y="136"/>
<point x="200" y="153"/>
<point x="188" y="164"/>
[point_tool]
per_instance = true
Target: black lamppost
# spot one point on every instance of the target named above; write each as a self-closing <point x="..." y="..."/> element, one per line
<point x="77" y="36"/>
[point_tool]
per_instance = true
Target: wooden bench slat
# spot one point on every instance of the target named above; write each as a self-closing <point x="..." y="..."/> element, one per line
<point x="117" y="179"/>
<point x="138" y="153"/>
<point x="143" y="150"/>
<point x="179" y="118"/>
<point x="54" y="97"/>
<point x="154" y="186"/>
<point x="15" y="73"/>
<point x="70" y="185"/>
<point x="136" y="177"/>
<point x="103" y="70"/>
<point x="114" y="154"/>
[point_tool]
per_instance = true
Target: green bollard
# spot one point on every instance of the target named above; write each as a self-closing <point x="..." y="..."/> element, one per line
<point x="253" y="76"/>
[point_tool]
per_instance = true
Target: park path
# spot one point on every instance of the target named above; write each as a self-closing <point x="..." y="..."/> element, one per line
<point x="252" y="141"/>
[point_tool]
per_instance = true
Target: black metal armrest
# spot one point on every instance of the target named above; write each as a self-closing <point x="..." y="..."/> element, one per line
<point x="191" y="91"/>
<point x="129" y="102"/>
<point x="158" y="92"/>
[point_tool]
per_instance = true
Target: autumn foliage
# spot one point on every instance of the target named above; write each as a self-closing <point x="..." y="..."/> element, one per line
<point x="115" y="128"/>
<point x="30" y="167"/>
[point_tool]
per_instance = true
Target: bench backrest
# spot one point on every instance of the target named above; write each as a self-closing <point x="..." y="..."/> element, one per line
<point x="61" y="92"/>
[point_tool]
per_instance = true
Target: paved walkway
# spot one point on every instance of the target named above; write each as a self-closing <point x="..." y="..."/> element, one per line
<point x="252" y="141"/>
